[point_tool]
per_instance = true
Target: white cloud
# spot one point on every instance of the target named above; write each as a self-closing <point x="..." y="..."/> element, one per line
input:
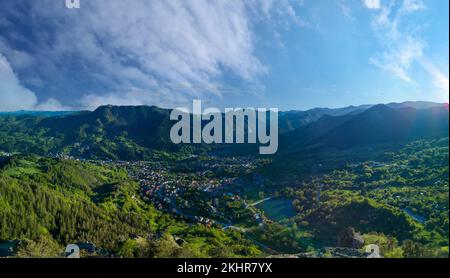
<point x="403" y="47"/>
<point x="51" y="104"/>
<point x="13" y="96"/>
<point x="345" y="10"/>
<point x="440" y="79"/>
<point x="412" y="5"/>
<point x="154" y="46"/>
<point x="372" y="4"/>
<point x="399" y="57"/>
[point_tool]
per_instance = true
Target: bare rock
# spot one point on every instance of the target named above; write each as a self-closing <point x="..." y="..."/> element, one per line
<point x="349" y="238"/>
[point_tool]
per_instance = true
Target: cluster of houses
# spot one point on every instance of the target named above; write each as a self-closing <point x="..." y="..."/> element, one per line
<point x="5" y="154"/>
<point x="164" y="186"/>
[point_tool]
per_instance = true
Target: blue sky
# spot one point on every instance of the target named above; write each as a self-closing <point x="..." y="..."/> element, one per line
<point x="295" y="54"/>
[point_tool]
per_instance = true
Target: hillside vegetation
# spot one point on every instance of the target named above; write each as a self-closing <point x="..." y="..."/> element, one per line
<point x="51" y="202"/>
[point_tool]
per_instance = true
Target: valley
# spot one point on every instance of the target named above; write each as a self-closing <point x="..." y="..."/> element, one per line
<point x="94" y="177"/>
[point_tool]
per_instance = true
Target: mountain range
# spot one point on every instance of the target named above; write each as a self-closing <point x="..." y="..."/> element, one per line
<point x="295" y="119"/>
<point x="377" y="124"/>
<point x="127" y="131"/>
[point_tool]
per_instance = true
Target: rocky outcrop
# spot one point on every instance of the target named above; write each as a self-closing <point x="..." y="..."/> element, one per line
<point x="349" y="238"/>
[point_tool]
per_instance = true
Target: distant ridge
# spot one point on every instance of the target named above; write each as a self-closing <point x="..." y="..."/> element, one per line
<point x="294" y="119"/>
<point x="378" y="124"/>
<point x="38" y="113"/>
<point x="416" y="104"/>
<point x="137" y="132"/>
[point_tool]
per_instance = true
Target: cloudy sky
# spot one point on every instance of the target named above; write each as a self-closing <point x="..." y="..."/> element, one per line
<point x="294" y="54"/>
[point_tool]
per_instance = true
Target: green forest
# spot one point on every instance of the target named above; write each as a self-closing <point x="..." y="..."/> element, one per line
<point x="49" y="203"/>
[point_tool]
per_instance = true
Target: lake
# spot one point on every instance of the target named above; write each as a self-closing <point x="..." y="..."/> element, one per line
<point x="414" y="216"/>
<point x="277" y="209"/>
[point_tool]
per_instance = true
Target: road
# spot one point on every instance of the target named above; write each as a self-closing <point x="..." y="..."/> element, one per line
<point x="258" y="202"/>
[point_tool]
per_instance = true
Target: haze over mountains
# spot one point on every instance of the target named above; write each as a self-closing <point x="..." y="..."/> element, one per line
<point x="377" y="124"/>
<point x="115" y="131"/>
<point x="294" y="119"/>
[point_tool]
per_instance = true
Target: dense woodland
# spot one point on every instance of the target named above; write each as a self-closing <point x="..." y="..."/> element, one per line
<point x="402" y="200"/>
<point x="48" y="203"/>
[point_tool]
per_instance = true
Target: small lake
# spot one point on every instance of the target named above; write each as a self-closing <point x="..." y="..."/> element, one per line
<point x="416" y="217"/>
<point x="277" y="209"/>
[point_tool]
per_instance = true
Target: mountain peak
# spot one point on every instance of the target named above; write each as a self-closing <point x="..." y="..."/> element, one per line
<point x="380" y="107"/>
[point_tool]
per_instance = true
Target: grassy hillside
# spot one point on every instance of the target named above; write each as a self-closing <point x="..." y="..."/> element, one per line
<point x="49" y="202"/>
<point x="402" y="196"/>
